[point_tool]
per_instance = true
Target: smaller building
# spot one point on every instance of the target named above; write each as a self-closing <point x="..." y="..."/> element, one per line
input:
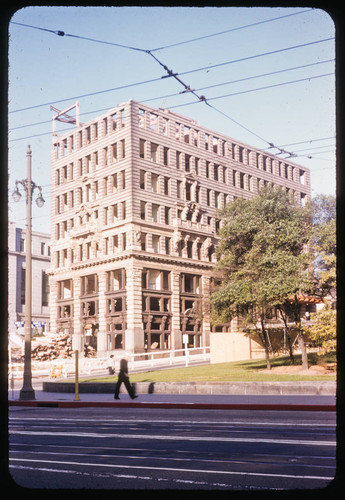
<point x="16" y="279"/>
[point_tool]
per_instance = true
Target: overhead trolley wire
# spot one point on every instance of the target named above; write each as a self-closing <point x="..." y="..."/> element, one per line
<point x="305" y="142"/>
<point x="228" y="31"/>
<point x="255" y="56"/>
<point x="187" y="88"/>
<point x="87" y="95"/>
<point x="256" y="89"/>
<point x="202" y="98"/>
<point x="62" y="33"/>
<point x="175" y="94"/>
<point x="171" y="73"/>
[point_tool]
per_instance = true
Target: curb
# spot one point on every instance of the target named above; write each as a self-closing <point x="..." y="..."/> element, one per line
<point x="301" y="388"/>
<point x="179" y="406"/>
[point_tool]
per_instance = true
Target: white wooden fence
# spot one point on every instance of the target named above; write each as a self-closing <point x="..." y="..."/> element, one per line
<point x="63" y="368"/>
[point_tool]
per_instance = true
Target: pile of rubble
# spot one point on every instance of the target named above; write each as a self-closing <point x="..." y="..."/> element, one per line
<point x="58" y="346"/>
<point x="17" y="355"/>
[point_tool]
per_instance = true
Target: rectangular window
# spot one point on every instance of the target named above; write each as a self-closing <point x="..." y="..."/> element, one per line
<point x="302" y="177"/>
<point x="89" y="284"/>
<point x="88" y="192"/>
<point x="153" y="121"/>
<point x="188" y="191"/>
<point x="154" y="152"/>
<point x="142" y="148"/>
<point x="45" y="289"/>
<point x="123" y="179"/>
<point x="166" y="186"/>
<point x="122" y="149"/>
<point x="141" y="118"/>
<point x="155" y="212"/>
<point x="115" y="242"/>
<point x="191" y="283"/>
<point x="143" y="241"/>
<point x="114" y="152"/>
<point x="114" y="120"/>
<point x="105" y="126"/>
<point x="165" y="155"/>
<point x="167" y="215"/>
<point x="187" y="162"/>
<point x="115" y="212"/>
<point x="164" y="126"/>
<point x="241" y="180"/>
<point x="116" y="280"/>
<point x="65" y="289"/>
<point x="122" y="117"/>
<point x="155" y="183"/>
<point x="178" y="159"/>
<point x="197" y="160"/>
<point x="142" y="179"/>
<point x="177" y="131"/>
<point x="155" y="243"/>
<point x="216" y="172"/>
<point x="143" y="210"/>
<point x="186" y="134"/>
<point x="217" y="199"/>
<point x="167" y="245"/>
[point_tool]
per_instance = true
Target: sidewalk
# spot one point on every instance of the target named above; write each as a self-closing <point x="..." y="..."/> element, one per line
<point x="179" y="401"/>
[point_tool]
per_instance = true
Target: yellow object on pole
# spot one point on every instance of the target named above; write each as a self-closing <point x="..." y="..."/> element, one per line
<point x="76" y="396"/>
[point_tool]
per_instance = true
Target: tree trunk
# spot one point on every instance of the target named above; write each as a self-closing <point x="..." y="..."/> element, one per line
<point x="301" y="344"/>
<point x="300" y="335"/>
<point x="284" y="318"/>
<point x="292" y="359"/>
<point x="266" y="344"/>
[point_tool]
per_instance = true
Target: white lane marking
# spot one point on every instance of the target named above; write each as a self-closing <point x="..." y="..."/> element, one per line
<point x="132" y="476"/>
<point x="175" y="459"/>
<point x="172" y="469"/>
<point x="175" y="438"/>
<point x="187" y="422"/>
<point x="141" y="449"/>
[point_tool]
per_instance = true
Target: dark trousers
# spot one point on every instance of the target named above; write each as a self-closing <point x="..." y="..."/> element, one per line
<point x="125" y="379"/>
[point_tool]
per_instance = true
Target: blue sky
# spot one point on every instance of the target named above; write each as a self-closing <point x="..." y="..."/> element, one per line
<point x="278" y="81"/>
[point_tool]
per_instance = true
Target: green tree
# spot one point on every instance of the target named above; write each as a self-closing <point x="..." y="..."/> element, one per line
<point x="324" y="241"/>
<point x="323" y="328"/>
<point x="263" y="259"/>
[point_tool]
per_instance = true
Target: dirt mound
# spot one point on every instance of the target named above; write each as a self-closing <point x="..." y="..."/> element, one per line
<point x="297" y="370"/>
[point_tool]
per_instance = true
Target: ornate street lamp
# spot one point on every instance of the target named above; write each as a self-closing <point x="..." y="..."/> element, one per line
<point x="27" y="392"/>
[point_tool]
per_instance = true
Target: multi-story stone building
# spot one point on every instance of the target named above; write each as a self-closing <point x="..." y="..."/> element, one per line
<point x="135" y="195"/>
<point x="16" y="278"/>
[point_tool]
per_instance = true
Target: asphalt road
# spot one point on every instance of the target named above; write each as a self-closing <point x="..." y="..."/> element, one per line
<point x="150" y="449"/>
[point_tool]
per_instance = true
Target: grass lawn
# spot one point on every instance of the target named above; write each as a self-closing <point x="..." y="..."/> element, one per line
<point x="239" y="371"/>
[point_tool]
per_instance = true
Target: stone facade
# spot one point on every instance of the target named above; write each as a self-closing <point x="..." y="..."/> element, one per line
<point x="134" y="226"/>
<point x="16" y="278"/>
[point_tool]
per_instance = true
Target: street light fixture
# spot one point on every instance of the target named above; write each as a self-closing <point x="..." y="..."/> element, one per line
<point x="16" y="194"/>
<point x="27" y="392"/>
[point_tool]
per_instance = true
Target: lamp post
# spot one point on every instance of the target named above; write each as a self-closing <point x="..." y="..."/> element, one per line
<point x="27" y="392"/>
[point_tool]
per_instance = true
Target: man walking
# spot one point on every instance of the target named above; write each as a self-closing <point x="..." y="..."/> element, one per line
<point x="111" y="365"/>
<point x="124" y="377"/>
